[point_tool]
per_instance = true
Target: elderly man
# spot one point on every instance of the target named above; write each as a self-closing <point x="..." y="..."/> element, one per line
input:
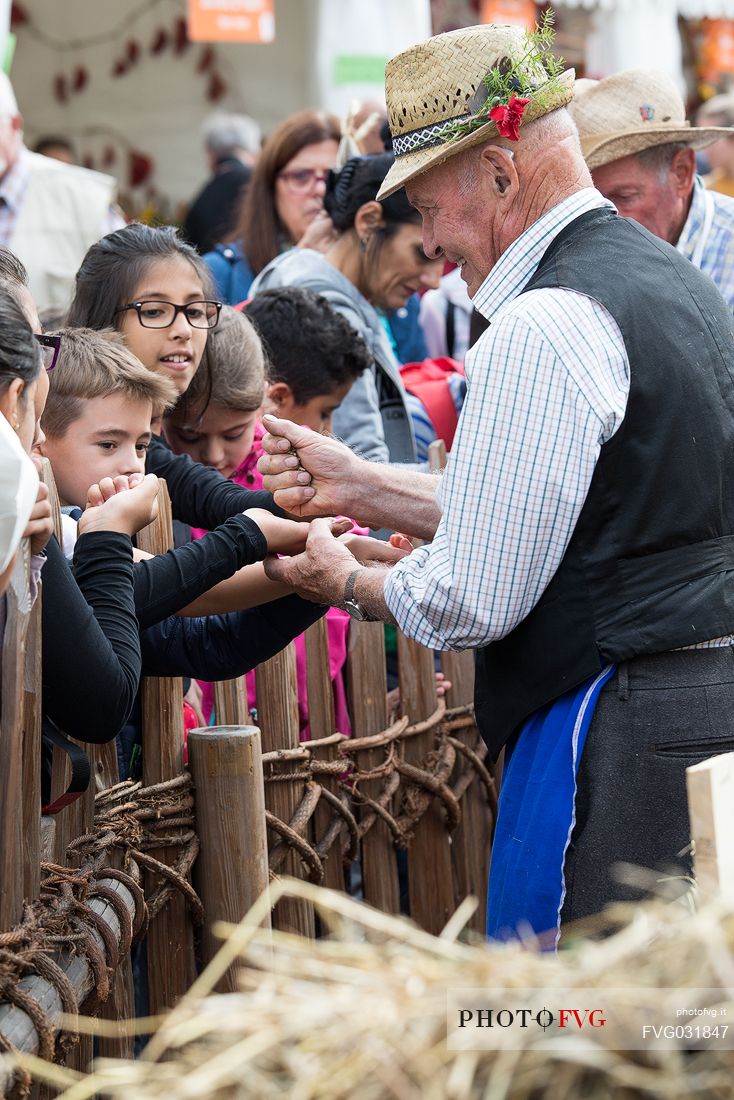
<point x="50" y="213"/>
<point x="581" y="536"/>
<point x="232" y="146"/>
<point x="641" y="152"/>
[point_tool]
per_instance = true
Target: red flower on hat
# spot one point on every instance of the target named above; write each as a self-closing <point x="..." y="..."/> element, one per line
<point x="508" y="118"/>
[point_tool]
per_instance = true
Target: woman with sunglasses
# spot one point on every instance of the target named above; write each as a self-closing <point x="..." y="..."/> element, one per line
<point x="156" y="291"/>
<point x="283" y="205"/>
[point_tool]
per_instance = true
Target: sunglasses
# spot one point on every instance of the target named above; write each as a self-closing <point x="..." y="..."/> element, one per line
<point x="50" y="347"/>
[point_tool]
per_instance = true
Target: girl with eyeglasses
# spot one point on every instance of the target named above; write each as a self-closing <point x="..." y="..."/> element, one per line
<point x="156" y="291"/>
<point x="283" y="204"/>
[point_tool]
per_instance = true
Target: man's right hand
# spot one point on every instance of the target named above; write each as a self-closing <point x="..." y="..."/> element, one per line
<point x="317" y="480"/>
<point x="112" y="506"/>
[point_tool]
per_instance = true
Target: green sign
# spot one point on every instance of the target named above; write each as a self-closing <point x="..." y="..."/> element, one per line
<point x="7" y="60"/>
<point x="359" y="69"/>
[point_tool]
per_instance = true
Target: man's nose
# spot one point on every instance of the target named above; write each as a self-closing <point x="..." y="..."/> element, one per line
<point x="432" y="250"/>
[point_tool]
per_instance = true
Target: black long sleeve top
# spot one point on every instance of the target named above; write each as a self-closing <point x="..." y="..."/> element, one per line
<point x="91" y="641"/>
<point x="201" y="496"/>
<point x="167" y="582"/>
<point x="219" y="647"/>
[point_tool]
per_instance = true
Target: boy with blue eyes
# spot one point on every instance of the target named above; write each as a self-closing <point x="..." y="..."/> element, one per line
<point x="97" y="420"/>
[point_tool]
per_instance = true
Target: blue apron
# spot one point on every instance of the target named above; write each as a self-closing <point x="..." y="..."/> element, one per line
<point x="537" y="814"/>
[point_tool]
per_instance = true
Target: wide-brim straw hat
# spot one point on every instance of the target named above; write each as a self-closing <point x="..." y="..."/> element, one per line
<point x="632" y="111"/>
<point x="436" y="84"/>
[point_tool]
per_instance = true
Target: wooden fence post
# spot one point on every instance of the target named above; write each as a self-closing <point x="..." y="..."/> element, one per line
<point x="277" y="711"/>
<point x="32" y="674"/>
<point x="711" y="809"/>
<point x="232" y="866"/>
<point x="472" y="839"/>
<point x="230" y="702"/>
<point x="368" y="710"/>
<point x="322" y="724"/>
<point x="11" y="742"/>
<point x="170" y="937"/>
<point x="430" y="879"/>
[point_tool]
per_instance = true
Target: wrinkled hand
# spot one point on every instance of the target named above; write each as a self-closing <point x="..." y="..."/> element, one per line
<point x="320" y="573"/>
<point x="126" y="509"/>
<point x="40" y="525"/>
<point x="320" y="234"/>
<point x="367" y="550"/>
<point x="313" y="482"/>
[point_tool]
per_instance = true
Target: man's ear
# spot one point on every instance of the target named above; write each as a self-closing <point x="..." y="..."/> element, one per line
<point x="368" y="220"/>
<point x="682" y="171"/>
<point x="281" y="396"/>
<point x="499" y="171"/>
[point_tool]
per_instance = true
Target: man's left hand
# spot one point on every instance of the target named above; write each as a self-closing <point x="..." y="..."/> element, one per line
<point x="320" y="573"/>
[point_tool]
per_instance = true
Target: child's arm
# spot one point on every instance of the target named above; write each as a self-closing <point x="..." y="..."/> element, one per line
<point x="220" y="647"/>
<point x="249" y="587"/>
<point x="201" y="496"/>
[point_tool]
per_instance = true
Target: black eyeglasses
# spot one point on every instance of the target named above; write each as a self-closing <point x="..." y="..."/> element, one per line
<point x="155" y="313"/>
<point x="50" y="347"/>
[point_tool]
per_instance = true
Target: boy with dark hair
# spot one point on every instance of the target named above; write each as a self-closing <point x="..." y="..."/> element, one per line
<point x="315" y="354"/>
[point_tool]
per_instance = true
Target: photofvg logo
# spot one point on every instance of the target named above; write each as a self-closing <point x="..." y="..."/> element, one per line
<point x="618" y="1019"/>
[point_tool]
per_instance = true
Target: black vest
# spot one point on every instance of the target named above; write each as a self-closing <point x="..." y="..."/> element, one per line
<point x="650" y="565"/>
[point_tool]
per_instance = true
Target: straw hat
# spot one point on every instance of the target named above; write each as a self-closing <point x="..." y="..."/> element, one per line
<point x="632" y="111"/>
<point x="435" y="85"/>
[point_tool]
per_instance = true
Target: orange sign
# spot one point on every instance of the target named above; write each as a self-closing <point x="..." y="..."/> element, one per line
<point x="231" y="21"/>
<point x="717" y="50"/>
<point x="522" y="13"/>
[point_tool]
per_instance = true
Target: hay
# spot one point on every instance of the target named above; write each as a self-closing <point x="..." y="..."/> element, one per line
<point x="361" y="1015"/>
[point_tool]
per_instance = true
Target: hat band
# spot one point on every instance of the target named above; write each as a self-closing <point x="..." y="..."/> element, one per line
<point x="425" y="137"/>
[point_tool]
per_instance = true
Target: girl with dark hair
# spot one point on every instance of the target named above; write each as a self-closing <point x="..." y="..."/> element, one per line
<point x="375" y="266"/>
<point x="283" y="205"/>
<point x="156" y="291"/>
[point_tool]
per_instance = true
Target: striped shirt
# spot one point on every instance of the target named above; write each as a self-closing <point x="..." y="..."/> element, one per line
<point x="714" y="254"/>
<point x="13" y="187"/>
<point x="547" y="386"/>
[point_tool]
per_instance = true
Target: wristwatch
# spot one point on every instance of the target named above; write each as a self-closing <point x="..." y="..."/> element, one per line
<point x="352" y="605"/>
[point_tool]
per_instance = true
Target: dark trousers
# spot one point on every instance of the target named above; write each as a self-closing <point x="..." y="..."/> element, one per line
<point x="657" y="716"/>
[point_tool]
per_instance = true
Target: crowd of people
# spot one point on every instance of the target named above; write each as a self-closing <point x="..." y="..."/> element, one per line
<point x="540" y="277"/>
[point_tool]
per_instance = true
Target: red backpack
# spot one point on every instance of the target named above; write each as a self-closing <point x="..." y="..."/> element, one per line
<point x="428" y="381"/>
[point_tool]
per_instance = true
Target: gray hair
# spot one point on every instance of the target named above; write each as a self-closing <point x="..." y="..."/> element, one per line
<point x="225" y="133"/>
<point x="659" y="158"/>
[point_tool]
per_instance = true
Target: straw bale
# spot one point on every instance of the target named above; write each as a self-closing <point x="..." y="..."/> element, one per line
<point x="361" y="1013"/>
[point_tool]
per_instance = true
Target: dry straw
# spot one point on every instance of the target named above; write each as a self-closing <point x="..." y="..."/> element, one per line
<point x="362" y="1014"/>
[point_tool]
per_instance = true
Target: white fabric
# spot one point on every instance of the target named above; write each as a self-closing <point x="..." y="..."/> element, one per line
<point x="61" y="214"/>
<point x="18" y="491"/>
<point x="547" y="385"/>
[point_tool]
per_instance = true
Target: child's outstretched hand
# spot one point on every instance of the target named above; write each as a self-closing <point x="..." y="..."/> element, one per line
<point x="127" y="508"/>
<point x="286" y="536"/>
<point x="373" y="551"/>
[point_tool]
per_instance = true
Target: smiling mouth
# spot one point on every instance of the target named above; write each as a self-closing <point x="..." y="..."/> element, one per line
<point x="176" y="362"/>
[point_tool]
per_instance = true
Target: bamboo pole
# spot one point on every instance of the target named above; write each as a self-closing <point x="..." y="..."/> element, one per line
<point x="322" y="724"/>
<point x="232" y="866"/>
<point x="368" y="706"/>
<point x="277" y="709"/>
<point x="170" y="937"/>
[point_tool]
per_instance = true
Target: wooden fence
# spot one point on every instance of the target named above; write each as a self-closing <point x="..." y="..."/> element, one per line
<point x="400" y="813"/>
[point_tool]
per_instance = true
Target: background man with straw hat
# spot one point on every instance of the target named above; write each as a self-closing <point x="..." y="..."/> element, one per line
<point x="581" y="534"/>
<point x="641" y="152"/>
